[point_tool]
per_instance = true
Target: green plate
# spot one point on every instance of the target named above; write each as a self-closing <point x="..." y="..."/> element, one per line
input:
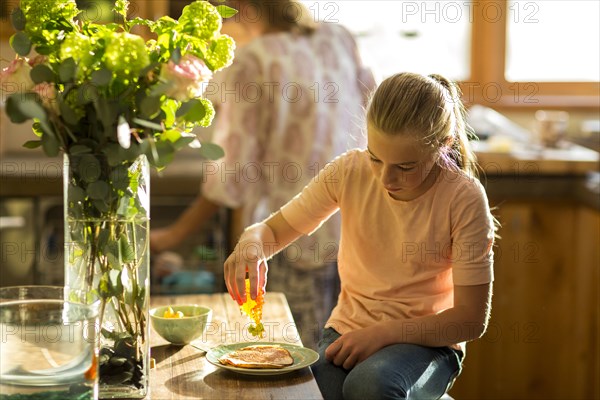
<point x="303" y="357"/>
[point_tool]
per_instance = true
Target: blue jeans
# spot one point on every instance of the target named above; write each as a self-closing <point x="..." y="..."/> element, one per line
<point x="399" y="371"/>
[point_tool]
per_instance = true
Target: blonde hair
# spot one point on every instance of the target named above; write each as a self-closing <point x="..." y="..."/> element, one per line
<point x="429" y="106"/>
<point x="280" y="15"/>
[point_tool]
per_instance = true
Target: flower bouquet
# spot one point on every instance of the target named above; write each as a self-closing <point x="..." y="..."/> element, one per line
<point x="113" y="103"/>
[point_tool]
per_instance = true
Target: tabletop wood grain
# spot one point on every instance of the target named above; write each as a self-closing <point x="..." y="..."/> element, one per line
<point x="182" y="372"/>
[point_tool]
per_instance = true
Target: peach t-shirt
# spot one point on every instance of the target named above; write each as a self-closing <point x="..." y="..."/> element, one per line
<point x="398" y="259"/>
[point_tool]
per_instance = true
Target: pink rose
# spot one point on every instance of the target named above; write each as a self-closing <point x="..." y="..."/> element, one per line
<point x="186" y="80"/>
<point x="39" y="59"/>
<point x="15" y="78"/>
<point x="47" y="93"/>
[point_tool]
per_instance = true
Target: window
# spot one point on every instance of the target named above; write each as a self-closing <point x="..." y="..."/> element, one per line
<point x="506" y="54"/>
<point x="553" y="41"/>
<point x="391" y="35"/>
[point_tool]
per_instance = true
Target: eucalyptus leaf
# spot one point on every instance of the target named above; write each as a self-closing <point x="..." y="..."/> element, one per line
<point x="196" y="111"/>
<point x="159" y="89"/>
<point x="103" y="238"/>
<point x="67" y="70"/>
<point x="114" y="335"/>
<point x="101" y="205"/>
<point x="184" y="108"/>
<point x="107" y="113"/>
<point x="150" y="106"/>
<point x="184" y="142"/>
<point x="50" y="145"/>
<point x="87" y="93"/>
<point x="77" y="149"/>
<point x="119" y="178"/>
<point x="111" y="250"/>
<point x="98" y="190"/>
<point x="130" y="154"/>
<point x="126" y="249"/>
<point x="41" y="73"/>
<point x="211" y="151"/>
<point x="27" y="106"/>
<point x="89" y="169"/>
<point x="17" y="18"/>
<point x="226" y="12"/>
<point x="113" y="155"/>
<point x="162" y="154"/>
<point x="116" y="286"/>
<point x="176" y="55"/>
<point x="67" y="113"/>
<point x="32" y="144"/>
<point x="13" y="109"/>
<point x="101" y="77"/>
<point x="76" y="194"/>
<point x="20" y="43"/>
<point x="43" y="50"/>
<point x="124" y="205"/>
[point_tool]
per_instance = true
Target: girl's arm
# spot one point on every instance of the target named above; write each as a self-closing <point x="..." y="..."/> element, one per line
<point x="467" y="320"/>
<point x="257" y="244"/>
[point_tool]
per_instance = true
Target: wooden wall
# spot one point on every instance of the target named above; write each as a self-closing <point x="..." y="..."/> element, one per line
<point x="542" y="342"/>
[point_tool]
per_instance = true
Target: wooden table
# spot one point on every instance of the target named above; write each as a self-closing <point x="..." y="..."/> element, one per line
<point x="182" y="372"/>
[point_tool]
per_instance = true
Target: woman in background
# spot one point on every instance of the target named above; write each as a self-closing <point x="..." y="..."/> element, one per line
<point x="292" y="100"/>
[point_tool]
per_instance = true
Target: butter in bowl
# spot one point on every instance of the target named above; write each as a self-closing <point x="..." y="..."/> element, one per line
<point x="182" y="323"/>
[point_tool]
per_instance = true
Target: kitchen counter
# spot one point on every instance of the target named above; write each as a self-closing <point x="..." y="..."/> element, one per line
<point x="523" y="160"/>
<point x="520" y="173"/>
<point x="33" y="174"/>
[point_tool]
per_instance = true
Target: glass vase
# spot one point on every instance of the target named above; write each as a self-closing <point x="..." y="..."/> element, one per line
<point x="106" y="212"/>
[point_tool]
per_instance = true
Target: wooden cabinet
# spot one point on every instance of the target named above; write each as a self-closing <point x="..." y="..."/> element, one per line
<point x="542" y="341"/>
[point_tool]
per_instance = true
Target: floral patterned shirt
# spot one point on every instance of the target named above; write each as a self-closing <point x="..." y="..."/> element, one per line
<point x="287" y="106"/>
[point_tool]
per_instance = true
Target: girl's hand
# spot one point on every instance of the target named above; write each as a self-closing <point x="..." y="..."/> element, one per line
<point x="353" y="347"/>
<point x="248" y="256"/>
<point x="257" y="243"/>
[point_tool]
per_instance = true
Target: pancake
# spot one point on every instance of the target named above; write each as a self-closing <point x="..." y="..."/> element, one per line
<point x="258" y="356"/>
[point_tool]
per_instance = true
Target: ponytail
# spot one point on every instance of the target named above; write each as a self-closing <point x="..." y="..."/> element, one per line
<point x="458" y="149"/>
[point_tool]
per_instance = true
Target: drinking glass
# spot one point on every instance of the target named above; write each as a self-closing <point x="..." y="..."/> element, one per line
<point x="48" y="344"/>
<point x="551" y="127"/>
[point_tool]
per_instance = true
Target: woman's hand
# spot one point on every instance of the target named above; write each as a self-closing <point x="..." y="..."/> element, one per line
<point x="353" y="347"/>
<point x="248" y="256"/>
<point x="163" y="239"/>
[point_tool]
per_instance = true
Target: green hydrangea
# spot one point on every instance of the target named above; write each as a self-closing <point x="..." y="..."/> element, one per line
<point x="200" y="19"/>
<point x="80" y="48"/>
<point x="125" y="54"/>
<point x="41" y="12"/>
<point x="210" y="112"/>
<point x="220" y="53"/>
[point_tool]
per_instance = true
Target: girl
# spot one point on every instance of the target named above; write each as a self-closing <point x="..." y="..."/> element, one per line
<point x="415" y="257"/>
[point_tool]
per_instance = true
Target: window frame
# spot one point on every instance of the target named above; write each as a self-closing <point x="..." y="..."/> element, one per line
<point x="488" y="85"/>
